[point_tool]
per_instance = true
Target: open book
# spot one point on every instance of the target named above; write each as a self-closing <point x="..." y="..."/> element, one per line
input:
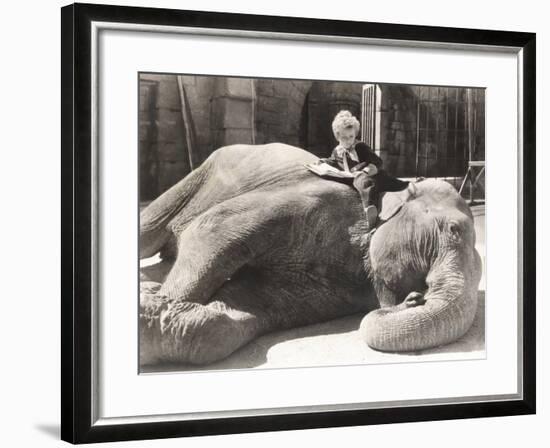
<point x="325" y="170"/>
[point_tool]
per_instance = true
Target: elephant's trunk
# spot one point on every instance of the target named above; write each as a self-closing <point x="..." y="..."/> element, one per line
<point x="446" y="315"/>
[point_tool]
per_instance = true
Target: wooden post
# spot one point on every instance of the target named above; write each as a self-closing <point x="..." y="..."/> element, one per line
<point x="187" y="123"/>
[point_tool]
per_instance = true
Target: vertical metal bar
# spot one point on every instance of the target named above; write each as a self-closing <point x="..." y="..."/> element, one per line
<point x="437" y="133"/>
<point x="364" y="113"/>
<point x="456" y="133"/>
<point x="369" y="110"/>
<point x="469" y="128"/>
<point x="363" y="123"/>
<point x="373" y="107"/>
<point x="417" y="135"/>
<point x="476" y="102"/>
<point x="446" y="128"/>
<point x="253" y="110"/>
<point x="373" y="118"/>
<point x="466" y="148"/>
<point x="426" y="132"/>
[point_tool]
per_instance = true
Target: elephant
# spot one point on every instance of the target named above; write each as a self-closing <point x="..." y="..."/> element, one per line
<point x="254" y="242"/>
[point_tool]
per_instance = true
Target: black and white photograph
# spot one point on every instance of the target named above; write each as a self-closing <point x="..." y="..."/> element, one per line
<point x="273" y="223"/>
<point x="302" y="223"/>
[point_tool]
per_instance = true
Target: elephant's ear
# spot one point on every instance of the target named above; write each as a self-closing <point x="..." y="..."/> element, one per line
<point x="392" y="201"/>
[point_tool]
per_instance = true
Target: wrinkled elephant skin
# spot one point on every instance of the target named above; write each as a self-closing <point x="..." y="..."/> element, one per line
<point x="257" y="243"/>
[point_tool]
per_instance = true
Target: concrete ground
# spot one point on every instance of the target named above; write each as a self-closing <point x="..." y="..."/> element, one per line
<point x="338" y="343"/>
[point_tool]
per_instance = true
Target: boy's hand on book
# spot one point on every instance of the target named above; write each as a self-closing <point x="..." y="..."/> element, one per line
<point x="359" y="167"/>
<point x="324" y="169"/>
<point x="371" y="169"/>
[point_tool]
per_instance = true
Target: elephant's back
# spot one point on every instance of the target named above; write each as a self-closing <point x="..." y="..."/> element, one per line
<point x="269" y="152"/>
<point x="256" y="165"/>
<point x="255" y="171"/>
<point x="238" y="170"/>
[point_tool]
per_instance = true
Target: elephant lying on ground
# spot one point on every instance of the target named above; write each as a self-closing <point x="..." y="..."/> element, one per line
<point x="257" y="243"/>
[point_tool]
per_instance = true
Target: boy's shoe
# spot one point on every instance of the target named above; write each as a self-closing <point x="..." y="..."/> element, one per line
<point x="372" y="214"/>
<point x="359" y="180"/>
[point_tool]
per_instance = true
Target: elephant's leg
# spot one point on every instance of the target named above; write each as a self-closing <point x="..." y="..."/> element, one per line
<point x="154" y="219"/>
<point x="216" y="245"/>
<point x="191" y="333"/>
<point x="156" y="272"/>
<point x="205" y="262"/>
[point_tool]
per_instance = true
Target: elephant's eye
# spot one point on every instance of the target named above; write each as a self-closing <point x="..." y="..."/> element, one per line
<point x="454" y="230"/>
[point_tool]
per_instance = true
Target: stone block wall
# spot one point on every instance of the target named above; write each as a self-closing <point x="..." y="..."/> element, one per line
<point x="231" y="111"/>
<point x="164" y="152"/>
<point x="279" y="110"/>
<point x="148" y="156"/>
<point x="420" y="130"/>
<point x="325" y="100"/>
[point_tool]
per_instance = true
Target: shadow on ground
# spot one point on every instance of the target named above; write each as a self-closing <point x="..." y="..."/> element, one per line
<point x="335" y="343"/>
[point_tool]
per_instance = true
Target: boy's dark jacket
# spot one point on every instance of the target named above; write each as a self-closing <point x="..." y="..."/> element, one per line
<point x="364" y="154"/>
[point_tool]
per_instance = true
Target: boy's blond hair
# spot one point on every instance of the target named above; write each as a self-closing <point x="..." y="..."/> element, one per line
<point x="343" y="120"/>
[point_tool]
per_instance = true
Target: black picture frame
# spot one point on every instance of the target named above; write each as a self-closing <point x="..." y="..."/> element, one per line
<point x="77" y="425"/>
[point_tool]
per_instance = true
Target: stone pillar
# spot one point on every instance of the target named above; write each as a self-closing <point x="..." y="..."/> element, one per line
<point x="231" y="111"/>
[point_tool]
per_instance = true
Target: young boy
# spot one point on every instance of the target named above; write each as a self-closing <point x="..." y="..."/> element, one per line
<point x="355" y="157"/>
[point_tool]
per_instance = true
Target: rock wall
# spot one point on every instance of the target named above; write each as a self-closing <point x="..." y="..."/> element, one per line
<point x="421" y="130"/>
<point x="226" y="111"/>
<point x="164" y="152"/>
<point x="280" y="111"/>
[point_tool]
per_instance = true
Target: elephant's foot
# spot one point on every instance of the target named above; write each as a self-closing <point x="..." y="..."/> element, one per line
<point x="414" y="299"/>
<point x="191" y="333"/>
<point x="148" y="287"/>
<point x="389" y="299"/>
<point x="151" y="306"/>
